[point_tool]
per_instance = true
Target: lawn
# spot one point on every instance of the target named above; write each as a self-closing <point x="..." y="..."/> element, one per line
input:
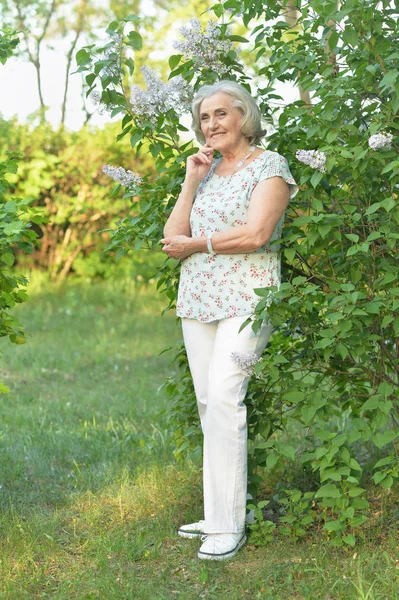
<point x="90" y="493"/>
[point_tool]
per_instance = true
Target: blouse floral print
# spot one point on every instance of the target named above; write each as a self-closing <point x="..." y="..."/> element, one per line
<point x="213" y="287"/>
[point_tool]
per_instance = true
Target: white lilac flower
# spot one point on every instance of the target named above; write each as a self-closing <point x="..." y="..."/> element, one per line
<point x="380" y="140"/>
<point x="205" y="47"/>
<point x="160" y="97"/>
<point x="313" y="158"/>
<point x="95" y="97"/>
<point x="119" y="174"/>
<point x="246" y="361"/>
<point x="111" y="54"/>
<point x="102" y="107"/>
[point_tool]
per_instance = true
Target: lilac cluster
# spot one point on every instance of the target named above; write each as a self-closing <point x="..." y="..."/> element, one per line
<point x="313" y="158"/>
<point x="205" y="47"/>
<point x="119" y="174"/>
<point x="160" y="97"/>
<point x="112" y="54"/>
<point x="380" y="140"/>
<point x="95" y="97"/>
<point x="246" y="362"/>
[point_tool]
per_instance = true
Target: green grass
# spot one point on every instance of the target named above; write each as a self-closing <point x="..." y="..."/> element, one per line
<point x="90" y="493"/>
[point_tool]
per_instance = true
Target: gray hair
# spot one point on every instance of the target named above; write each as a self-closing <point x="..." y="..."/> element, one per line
<point x="251" y="126"/>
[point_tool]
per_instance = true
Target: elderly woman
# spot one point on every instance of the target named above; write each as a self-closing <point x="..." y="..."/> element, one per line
<point x="228" y="212"/>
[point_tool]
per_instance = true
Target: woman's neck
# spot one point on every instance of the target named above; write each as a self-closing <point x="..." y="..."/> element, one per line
<point x="231" y="157"/>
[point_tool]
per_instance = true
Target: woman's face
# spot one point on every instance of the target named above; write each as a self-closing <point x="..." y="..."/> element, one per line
<point x="221" y="122"/>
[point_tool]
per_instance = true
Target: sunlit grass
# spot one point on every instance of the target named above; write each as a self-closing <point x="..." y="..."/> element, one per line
<point x="91" y="496"/>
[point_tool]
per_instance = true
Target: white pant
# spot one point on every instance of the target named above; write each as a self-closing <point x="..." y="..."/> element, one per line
<point x="220" y="386"/>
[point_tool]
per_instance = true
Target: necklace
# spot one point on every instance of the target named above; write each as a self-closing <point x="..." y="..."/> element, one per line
<point x="242" y="162"/>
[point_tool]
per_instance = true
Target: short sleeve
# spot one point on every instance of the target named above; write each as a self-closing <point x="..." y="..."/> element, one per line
<point x="276" y="165"/>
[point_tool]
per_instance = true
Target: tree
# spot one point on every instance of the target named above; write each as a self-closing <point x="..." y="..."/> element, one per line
<point x="42" y="21"/>
<point x="327" y="385"/>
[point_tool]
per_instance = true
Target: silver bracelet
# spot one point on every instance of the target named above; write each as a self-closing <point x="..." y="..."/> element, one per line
<point x="209" y="244"/>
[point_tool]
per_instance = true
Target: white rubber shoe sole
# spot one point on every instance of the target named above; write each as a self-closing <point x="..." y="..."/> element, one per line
<point x="214" y="549"/>
<point x="192" y="530"/>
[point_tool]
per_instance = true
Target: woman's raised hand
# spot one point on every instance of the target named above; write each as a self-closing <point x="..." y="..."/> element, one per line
<point x="198" y="165"/>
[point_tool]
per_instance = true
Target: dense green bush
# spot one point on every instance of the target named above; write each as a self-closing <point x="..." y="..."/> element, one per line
<point x="60" y="173"/>
<point x="330" y="373"/>
<point x="15" y="232"/>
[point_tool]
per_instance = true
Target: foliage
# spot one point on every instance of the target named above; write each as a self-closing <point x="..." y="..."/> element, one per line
<point x="332" y="365"/>
<point x="15" y="233"/>
<point x="60" y="172"/>
<point x="8" y="43"/>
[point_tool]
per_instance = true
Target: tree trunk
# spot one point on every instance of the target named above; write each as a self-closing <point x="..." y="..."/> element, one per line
<point x="78" y="30"/>
<point x="34" y="56"/>
<point x="291" y="15"/>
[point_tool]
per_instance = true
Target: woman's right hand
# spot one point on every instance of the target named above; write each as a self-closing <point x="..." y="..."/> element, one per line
<point x="198" y="165"/>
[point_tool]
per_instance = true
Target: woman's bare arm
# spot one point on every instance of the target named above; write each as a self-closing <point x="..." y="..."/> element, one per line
<point x="198" y="166"/>
<point x="267" y="205"/>
<point x="179" y="219"/>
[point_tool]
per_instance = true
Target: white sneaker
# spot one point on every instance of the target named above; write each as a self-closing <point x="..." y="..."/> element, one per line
<point x="192" y="530"/>
<point x="221" y="546"/>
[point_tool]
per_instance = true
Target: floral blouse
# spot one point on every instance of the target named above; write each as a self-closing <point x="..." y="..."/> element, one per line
<point x="213" y="287"/>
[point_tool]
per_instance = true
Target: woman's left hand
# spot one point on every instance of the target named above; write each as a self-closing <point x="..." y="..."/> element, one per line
<point x="177" y="246"/>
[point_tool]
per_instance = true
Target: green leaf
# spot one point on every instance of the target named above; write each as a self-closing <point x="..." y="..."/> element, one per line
<point x="381" y="439"/>
<point x="135" y="138"/>
<point x="353" y="250"/>
<point x="371" y="403"/>
<point x="388" y="204"/>
<point x="308" y="412"/>
<point x="238" y="38"/>
<point x="394" y="165"/>
<point x="289" y="253"/>
<point x="333" y="526"/>
<point x="135" y="40"/>
<point x="4" y="389"/>
<point x="83" y="57"/>
<point x="333" y="40"/>
<point x="174" y="60"/>
<point x="350" y="36"/>
<point x="379" y="476"/>
<point x="355" y="465"/>
<point x="90" y="78"/>
<point x="131" y="17"/>
<point x="387" y="483"/>
<point x="316" y="178"/>
<point x="294" y="396"/>
<point x="129" y="62"/>
<point x="272" y="460"/>
<point x="388" y="460"/>
<point x="287" y="450"/>
<point x="389" y="79"/>
<point x="373" y="208"/>
<point x="358" y="519"/>
<point x="8" y="259"/>
<point x="353" y="237"/>
<point x="328" y="491"/>
<point x="355" y="491"/>
<point x="385" y="389"/>
<point x="349" y="539"/>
